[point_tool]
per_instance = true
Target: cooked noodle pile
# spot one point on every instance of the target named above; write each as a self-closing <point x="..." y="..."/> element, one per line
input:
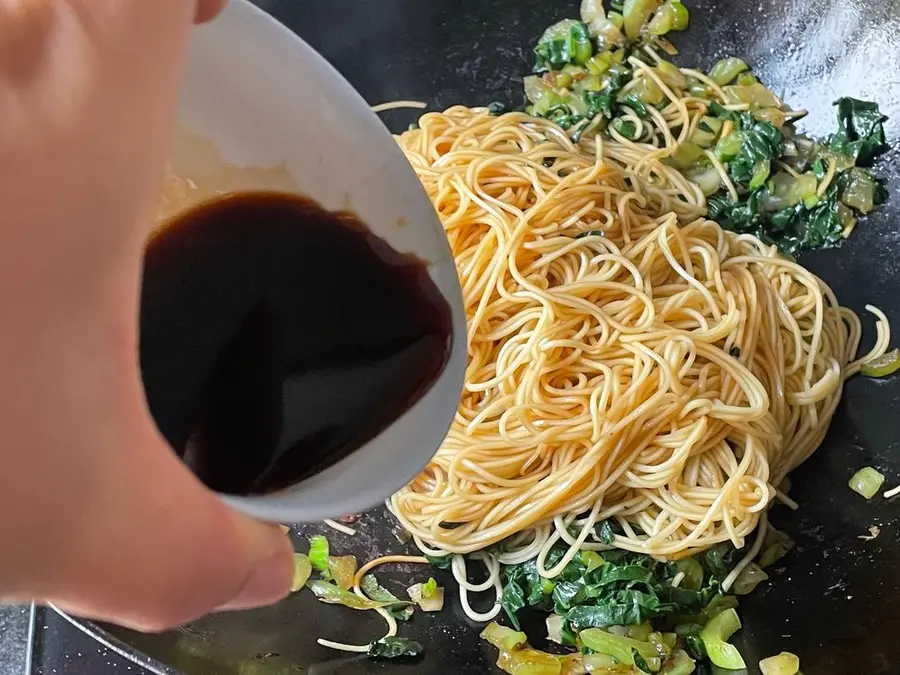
<point x="629" y="360"/>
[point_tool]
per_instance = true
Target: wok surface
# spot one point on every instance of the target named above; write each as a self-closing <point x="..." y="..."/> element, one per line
<point x="835" y="600"/>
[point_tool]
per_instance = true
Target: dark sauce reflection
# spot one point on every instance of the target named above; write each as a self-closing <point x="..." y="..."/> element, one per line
<point x="277" y="338"/>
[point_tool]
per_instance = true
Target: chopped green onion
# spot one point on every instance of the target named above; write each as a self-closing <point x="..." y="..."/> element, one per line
<point x="636" y="13"/>
<point x="599" y="63"/>
<point x="715" y="637"/>
<point x="318" y="553"/>
<point x="747" y="78"/>
<point x="599" y="663"/>
<point x="761" y="172"/>
<point x="750" y="577"/>
<point x="725" y="70"/>
<point x="663" y="21"/>
<point x="428" y="596"/>
<point x="616" y="19"/>
<point x="784" y="663"/>
<point x="503" y="638"/>
<point x="682" y="16"/>
<point x="867" y="482"/>
<point x="693" y="573"/>
<point x="859" y="192"/>
<point x="686" y="154"/>
<point x="429" y="588"/>
<point x="883" y="365"/>
<point x="302" y="572"/>
<point x="671" y="75"/>
<point x="592" y="560"/>
<point x="754" y="94"/>
<point x="708" y="179"/>
<point x="729" y="146"/>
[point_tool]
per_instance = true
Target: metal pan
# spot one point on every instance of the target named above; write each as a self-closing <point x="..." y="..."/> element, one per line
<point x="836" y="599"/>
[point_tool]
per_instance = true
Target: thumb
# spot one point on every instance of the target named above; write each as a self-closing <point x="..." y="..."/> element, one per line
<point x="155" y="548"/>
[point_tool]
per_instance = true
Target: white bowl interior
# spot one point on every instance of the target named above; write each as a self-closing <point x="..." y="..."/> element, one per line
<point x="280" y="116"/>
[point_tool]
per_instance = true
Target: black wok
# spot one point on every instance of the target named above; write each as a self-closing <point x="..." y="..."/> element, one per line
<point x="835" y="601"/>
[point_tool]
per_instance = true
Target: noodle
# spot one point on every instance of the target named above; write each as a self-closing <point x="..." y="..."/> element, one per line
<point x="629" y="360"/>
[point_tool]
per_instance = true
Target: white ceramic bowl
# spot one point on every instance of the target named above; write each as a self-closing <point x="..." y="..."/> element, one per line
<point x="264" y="98"/>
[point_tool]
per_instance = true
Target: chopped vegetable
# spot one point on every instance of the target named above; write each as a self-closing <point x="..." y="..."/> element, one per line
<point x="882" y="366"/>
<point x="673" y="15"/>
<point x="427" y="596"/>
<point x="529" y="661"/>
<point x="750" y="577"/>
<point x="867" y="482"/>
<point x="333" y="595"/>
<point x="622" y="649"/>
<point x="394" y="647"/>
<point x="302" y="572"/>
<point x="860" y="130"/>
<point x="503" y="638"/>
<point x="636" y="13"/>
<point x="318" y="554"/>
<point x="715" y="637"/>
<point x="400" y="610"/>
<point x="776" y="545"/>
<point x="692" y="571"/>
<point x="568" y="41"/>
<point x="784" y="663"/>
<point x="725" y="70"/>
<point x="342" y="570"/>
<point x="556" y="629"/>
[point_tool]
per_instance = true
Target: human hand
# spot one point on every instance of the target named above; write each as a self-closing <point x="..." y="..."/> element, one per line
<point x="99" y="516"/>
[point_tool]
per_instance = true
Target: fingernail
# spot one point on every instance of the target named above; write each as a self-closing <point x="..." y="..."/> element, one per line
<point x="268" y="583"/>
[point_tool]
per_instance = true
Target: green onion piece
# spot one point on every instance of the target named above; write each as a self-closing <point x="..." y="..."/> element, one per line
<point x="635" y="14"/>
<point x="561" y="79"/>
<point x="588" y="83"/>
<point x="617" y="646"/>
<point x="761" y="172"/>
<point x="541" y="95"/>
<point x="599" y="663"/>
<point x="682" y="16"/>
<point x="318" y="553"/>
<point x="698" y="89"/>
<point x="663" y="21"/>
<point x="639" y="631"/>
<point x="648" y="91"/>
<point x="867" y="482"/>
<point x="749" y="578"/>
<point x="774" y="116"/>
<point x="707" y="131"/>
<point x="670" y="640"/>
<point x="529" y="661"/>
<point x="342" y="570"/>
<point x="599" y="63"/>
<point x="725" y="70"/>
<point x="715" y="639"/>
<point x="503" y="638"/>
<point x="754" y="94"/>
<point x="581" y="39"/>
<point x="681" y="664"/>
<point x="747" y="78"/>
<point x="616" y="20"/>
<point x="882" y="366"/>
<point x="333" y="595"/>
<point x="302" y="572"/>
<point x="592" y="560"/>
<point x="685" y="155"/>
<point x="859" y="191"/>
<point x="692" y="569"/>
<point x="784" y="663"/>
<point x="671" y="75"/>
<point x="428" y="596"/>
<point x="729" y="147"/>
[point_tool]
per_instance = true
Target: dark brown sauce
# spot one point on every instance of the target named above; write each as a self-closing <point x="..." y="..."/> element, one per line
<point x="278" y="337"/>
